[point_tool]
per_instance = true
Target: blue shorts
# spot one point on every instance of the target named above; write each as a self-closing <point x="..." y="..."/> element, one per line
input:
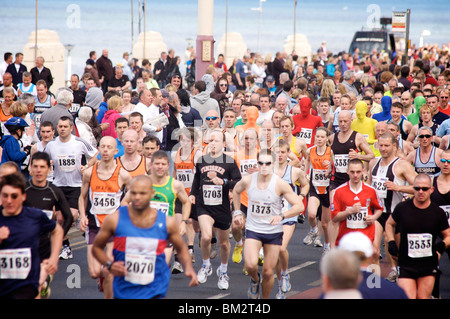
<point x="265" y="239"/>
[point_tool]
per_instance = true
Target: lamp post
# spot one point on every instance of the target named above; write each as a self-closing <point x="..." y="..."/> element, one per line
<point x="69" y="47"/>
<point x="260" y="21"/>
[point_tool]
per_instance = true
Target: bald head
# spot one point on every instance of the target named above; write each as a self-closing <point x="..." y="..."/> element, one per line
<point x="345" y="115"/>
<point x="108" y="140"/>
<point x="130" y="134"/>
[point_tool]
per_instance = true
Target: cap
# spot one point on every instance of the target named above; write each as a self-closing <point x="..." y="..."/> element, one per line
<point x="164" y="93"/>
<point x="270" y="78"/>
<point x="357" y="241"/>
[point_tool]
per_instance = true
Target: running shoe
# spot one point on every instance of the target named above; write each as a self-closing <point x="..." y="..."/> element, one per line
<point x="309" y="239"/>
<point x="253" y="291"/>
<point x="280" y="294"/>
<point x="224" y="280"/>
<point x="237" y="254"/>
<point x="393" y="275"/>
<point x="203" y="273"/>
<point x="177" y="268"/>
<point x="301" y="218"/>
<point x="285" y="283"/>
<point x="214" y="252"/>
<point x="261" y="257"/>
<point x="317" y="242"/>
<point x="191" y="253"/>
<point x="325" y="251"/>
<point x="46" y="290"/>
<point x="66" y="253"/>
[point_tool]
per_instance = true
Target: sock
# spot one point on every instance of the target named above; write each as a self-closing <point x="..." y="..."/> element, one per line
<point x="240" y="242"/>
<point x="315" y="229"/>
<point x="191" y="247"/>
<point x="175" y="257"/>
<point x="223" y="268"/>
<point x="66" y="242"/>
<point x="206" y="262"/>
<point x="326" y="245"/>
<point x="213" y="240"/>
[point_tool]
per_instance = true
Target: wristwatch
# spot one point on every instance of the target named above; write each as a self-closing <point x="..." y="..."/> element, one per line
<point x="109" y="264"/>
<point x="186" y="221"/>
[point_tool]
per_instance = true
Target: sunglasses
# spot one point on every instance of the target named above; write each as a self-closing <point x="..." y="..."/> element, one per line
<point x="424" y="189"/>
<point x="264" y="163"/>
<point x="211" y="118"/>
<point x="443" y="160"/>
<point x="425" y="136"/>
<point x="223" y="85"/>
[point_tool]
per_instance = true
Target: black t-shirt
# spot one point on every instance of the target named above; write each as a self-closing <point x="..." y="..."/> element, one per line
<point x="419" y="229"/>
<point x="207" y="194"/>
<point x="114" y="82"/>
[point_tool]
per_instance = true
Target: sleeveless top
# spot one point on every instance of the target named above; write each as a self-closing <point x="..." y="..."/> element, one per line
<point x="139" y="170"/>
<point x="39" y="108"/>
<point x="285" y="206"/>
<point x="318" y="178"/>
<point x="443" y="200"/>
<point x="341" y="159"/>
<point x="165" y="197"/>
<point x="264" y="204"/>
<point x="185" y="169"/>
<point x="245" y="162"/>
<point x="105" y="195"/>
<point x="381" y="174"/>
<point x="430" y="166"/>
<point x="142" y="250"/>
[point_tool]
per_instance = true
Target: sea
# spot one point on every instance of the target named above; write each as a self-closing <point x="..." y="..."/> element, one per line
<point x="98" y="24"/>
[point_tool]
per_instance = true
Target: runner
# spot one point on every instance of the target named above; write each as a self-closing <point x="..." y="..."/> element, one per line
<point x="263" y="224"/>
<point x="319" y="163"/>
<point x="66" y="151"/>
<point x="20" y="279"/>
<point x="390" y="176"/>
<point x="420" y="222"/>
<point x="45" y="196"/>
<point x="426" y="156"/>
<point x="140" y="234"/>
<point x="47" y="133"/>
<point x="355" y="205"/>
<point x="247" y="163"/>
<point x="167" y="190"/>
<point x="184" y="166"/>
<point x="131" y="160"/>
<point x="102" y="188"/>
<point x="293" y="176"/>
<point x="215" y="175"/>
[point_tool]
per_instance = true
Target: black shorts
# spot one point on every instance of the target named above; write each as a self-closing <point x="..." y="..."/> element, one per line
<point x="324" y="199"/>
<point x="383" y="219"/>
<point x="178" y="207"/>
<point x="414" y="273"/>
<point x="222" y="220"/>
<point x="92" y="232"/>
<point x="25" y="292"/>
<point x="72" y="195"/>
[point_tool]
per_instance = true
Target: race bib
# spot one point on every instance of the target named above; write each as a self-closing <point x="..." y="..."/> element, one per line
<point x="341" y="163"/>
<point x="260" y="209"/>
<point x="419" y="245"/>
<point x="212" y="195"/>
<point x="163" y="206"/>
<point x="186" y="176"/>
<point x="357" y="220"/>
<point x="67" y="163"/>
<point x="305" y="134"/>
<point x="246" y="165"/>
<point x="15" y="263"/>
<point x="284" y="205"/>
<point x="48" y="213"/>
<point x="379" y="183"/>
<point x="103" y="203"/>
<point x="140" y="260"/>
<point x="320" y="178"/>
<point x="74" y="108"/>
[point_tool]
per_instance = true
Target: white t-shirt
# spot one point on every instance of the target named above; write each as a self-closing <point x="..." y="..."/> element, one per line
<point x="264" y="116"/>
<point x="149" y="112"/>
<point x="66" y="159"/>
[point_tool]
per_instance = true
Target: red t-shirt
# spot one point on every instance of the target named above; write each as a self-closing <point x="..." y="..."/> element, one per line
<point x="305" y="128"/>
<point x="345" y="197"/>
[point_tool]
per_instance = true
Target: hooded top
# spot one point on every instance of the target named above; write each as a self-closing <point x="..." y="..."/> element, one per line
<point x="11" y="150"/>
<point x="386" y="103"/>
<point x="414" y="117"/>
<point x="94" y="97"/>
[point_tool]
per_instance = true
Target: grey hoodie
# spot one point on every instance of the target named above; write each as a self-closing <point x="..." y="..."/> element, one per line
<point x="202" y="102"/>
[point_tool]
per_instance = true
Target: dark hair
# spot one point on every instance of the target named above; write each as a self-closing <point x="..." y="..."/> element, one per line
<point x="40" y="156"/>
<point x="66" y="118"/>
<point x="160" y="154"/>
<point x="7" y="55"/>
<point x="120" y="120"/>
<point x="15" y="180"/>
<point x="151" y="138"/>
<point x="183" y="96"/>
<point x="200" y="86"/>
<point x="47" y="123"/>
